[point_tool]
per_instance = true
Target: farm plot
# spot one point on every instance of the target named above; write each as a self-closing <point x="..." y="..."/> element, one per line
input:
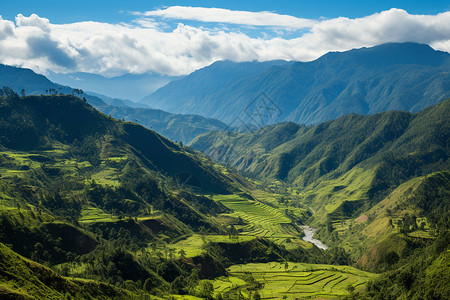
<point x="262" y="220"/>
<point x="193" y="245"/>
<point x="303" y="280"/>
<point x="91" y="214"/>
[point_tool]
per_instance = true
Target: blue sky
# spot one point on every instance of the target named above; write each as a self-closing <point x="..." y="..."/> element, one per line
<point x="112" y="38"/>
<point x="113" y="11"/>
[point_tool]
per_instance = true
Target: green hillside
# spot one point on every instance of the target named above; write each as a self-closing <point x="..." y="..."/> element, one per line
<point x="377" y="187"/>
<point x="21" y="278"/>
<point x="109" y="201"/>
<point x="341" y="166"/>
<point x="80" y="191"/>
<point x="96" y="208"/>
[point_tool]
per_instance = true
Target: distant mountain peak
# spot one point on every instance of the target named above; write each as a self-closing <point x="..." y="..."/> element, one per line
<point x="394" y="76"/>
<point x="391" y="54"/>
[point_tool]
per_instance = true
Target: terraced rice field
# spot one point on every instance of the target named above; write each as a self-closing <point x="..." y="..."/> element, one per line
<point x="108" y="176"/>
<point x="224" y="284"/>
<point x="301" y="280"/>
<point x="193" y="245"/>
<point x="263" y="220"/>
<point x="91" y="214"/>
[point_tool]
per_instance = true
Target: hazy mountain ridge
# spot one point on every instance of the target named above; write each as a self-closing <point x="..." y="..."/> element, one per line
<point x="363" y="81"/>
<point x="20" y="79"/>
<point x="175" y="126"/>
<point x="201" y="90"/>
<point x="127" y="86"/>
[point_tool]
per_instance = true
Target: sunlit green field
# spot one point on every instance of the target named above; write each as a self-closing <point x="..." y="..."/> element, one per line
<point x="299" y="280"/>
<point x="18" y="163"/>
<point x="193" y="245"/>
<point x="91" y="214"/>
<point x="263" y="220"/>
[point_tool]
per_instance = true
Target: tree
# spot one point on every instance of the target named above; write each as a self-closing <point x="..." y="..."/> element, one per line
<point x="51" y="91"/>
<point x="256" y="296"/>
<point x="151" y="282"/>
<point x="8" y="93"/>
<point x="232" y="232"/>
<point x="422" y="225"/>
<point x="172" y="253"/>
<point x="182" y="253"/>
<point x="22" y="92"/>
<point x="77" y="91"/>
<point x="206" y="289"/>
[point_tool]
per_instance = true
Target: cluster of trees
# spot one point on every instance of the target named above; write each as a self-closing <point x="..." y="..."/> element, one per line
<point x="8" y="93"/>
<point x="424" y="277"/>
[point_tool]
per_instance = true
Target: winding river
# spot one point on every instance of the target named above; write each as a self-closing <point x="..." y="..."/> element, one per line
<point x="309" y="233"/>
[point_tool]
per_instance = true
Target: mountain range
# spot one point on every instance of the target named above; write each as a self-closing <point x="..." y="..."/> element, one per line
<point x="395" y="76"/>
<point x="174" y="126"/>
<point x="178" y="127"/>
<point x="93" y="207"/>
<point x="127" y="86"/>
<point x="26" y="80"/>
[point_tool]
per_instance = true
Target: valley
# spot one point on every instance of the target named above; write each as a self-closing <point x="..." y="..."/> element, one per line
<point x="354" y="207"/>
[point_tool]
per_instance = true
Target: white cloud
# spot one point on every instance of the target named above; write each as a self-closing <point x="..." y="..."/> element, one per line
<point x="220" y="15"/>
<point x="145" y="45"/>
<point x="33" y="21"/>
<point x="6" y="28"/>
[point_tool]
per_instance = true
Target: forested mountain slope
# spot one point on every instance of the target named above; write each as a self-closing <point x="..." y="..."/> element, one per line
<point x="352" y="158"/>
<point x="178" y="127"/>
<point x="81" y="188"/>
<point x="115" y="203"/>
<point x="379" y="187"/>
<point x="396" y="76"/>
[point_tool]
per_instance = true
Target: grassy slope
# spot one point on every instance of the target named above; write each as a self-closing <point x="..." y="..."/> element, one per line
<point x="53" y="122"/>
<point x="21" y="278"/>
<point x="379" y="231"/>
<point x="63" y="162"/>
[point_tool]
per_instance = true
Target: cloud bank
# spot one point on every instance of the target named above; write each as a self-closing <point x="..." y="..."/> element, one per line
<point x="220" y="15"/>
<point x="151" y="44"/>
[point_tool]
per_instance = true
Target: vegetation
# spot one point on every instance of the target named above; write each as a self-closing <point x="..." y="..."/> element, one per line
<point x="295" y="280"/>
<point x="96" y="208"/>
<point x="112" y="202"/>
<point x="378" y="186"/>
<point x="87" y="200"/>
<point x="21" y="278"/>
<point x="341" y="167"/>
